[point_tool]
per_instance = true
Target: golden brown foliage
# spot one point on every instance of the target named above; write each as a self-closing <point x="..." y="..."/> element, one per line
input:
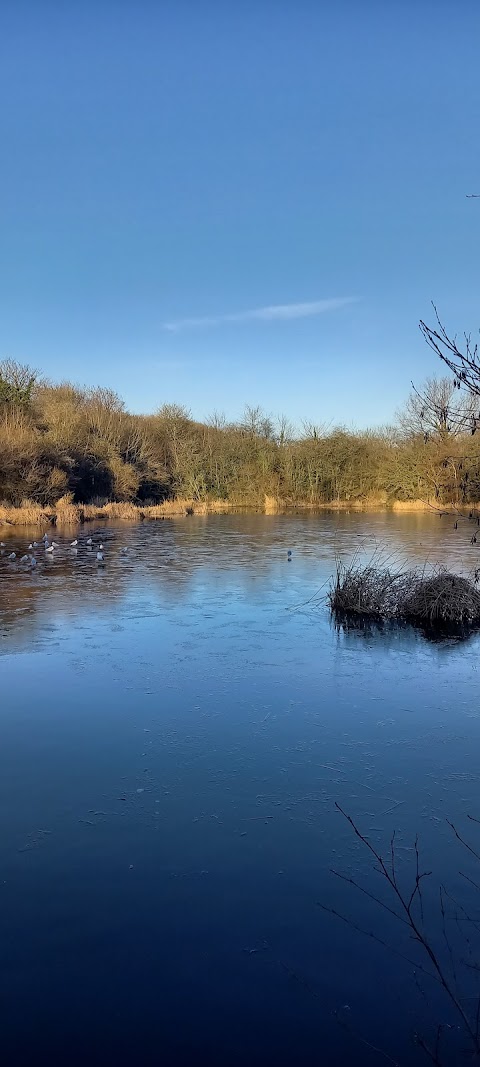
<point x="68" y="447"/>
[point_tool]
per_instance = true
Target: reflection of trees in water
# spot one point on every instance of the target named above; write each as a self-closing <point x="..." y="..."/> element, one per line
<point x="160" y="560"/>
<point x="418" y="537"/>
<point x="165" y="563"/>
<point x="395" y="635"/>
<point x="210" y="555"/>
<point x="18" y="609"/>
<point x="31" y="604"/>
<point x="34" y="604"/>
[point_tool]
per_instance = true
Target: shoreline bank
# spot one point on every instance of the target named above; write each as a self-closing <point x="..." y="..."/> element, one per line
<point x="63" y="514"/>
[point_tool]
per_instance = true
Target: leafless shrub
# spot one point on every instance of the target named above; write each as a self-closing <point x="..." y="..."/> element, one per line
<point x="442" y="599"/>
<point x="366" y="590"/>
<point x="438" y="599"/>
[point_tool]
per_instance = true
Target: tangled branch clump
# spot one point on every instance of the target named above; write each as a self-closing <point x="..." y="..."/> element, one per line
<point x="438" y="600"/>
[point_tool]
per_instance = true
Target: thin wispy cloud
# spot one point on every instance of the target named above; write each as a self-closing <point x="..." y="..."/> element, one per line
<point x="271" y="313"/>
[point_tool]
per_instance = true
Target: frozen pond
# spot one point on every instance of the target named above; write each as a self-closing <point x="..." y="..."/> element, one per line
<point x="176" y="728"/>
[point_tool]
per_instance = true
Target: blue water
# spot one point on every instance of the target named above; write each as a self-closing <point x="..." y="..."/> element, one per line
<point x="176" y="729"/>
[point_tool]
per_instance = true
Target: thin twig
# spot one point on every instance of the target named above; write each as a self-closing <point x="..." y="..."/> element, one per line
<point x="371" y="896"/>
<point x="368" y="933"/>
<point x="445" y="935"/>
<point x="363" y="1041"/>
<point x="418" y="933"/>
<point x="462" y="840"/>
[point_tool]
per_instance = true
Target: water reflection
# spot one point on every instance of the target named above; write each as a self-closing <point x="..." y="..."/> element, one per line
<point x="176" y="729"/>
<point x="170" y="560"/>
<point x="388" y="633"/>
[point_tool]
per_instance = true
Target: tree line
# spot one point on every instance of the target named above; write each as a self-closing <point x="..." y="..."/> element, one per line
<point x="59" y="438"/>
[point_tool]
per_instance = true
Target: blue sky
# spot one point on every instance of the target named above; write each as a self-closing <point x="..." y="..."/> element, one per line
<point x="171" y="170"/>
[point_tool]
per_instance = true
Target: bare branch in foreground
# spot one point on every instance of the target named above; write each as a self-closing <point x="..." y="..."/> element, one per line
<point x="410" y="913"/>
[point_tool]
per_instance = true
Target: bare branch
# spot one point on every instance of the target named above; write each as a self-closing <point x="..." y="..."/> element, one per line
<point x="464" y="365"/>
<point x="462" y="840"/>
<point x="363" y="1041"/>
<point x="416" y="927"/>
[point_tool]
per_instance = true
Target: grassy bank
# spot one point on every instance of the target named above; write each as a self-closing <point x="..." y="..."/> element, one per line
<point x="65" y="512"/>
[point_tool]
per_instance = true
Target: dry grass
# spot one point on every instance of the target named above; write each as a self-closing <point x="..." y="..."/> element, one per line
<point x="124" y="510"/>
<point x="173" y="507"/>
<point x="442" y="599"/>
<point x="367" y="503"/>
<point x="66" y="512"/>
<point x="376" y="502"/>
<point x="413" y="505"/>
<point x="272" y="505"/>
<point x="431" y="505"/>
<point x="29" y="514"/>
<point x="435" y="600"/>
<point x="366" y="590"/>
<point x="90" y="512"/>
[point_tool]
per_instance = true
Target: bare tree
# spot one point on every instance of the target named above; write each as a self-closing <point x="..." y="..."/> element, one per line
<point x="217" y="420"/>
<point x="174" y="413"/>
<point x="463" y="361"/>
<point x="17" y="382"/>
<point x="313" y="431"/>
<point x="284" y="432"/>
<point x="256" y="423"/>
<point x="437" y="409"/>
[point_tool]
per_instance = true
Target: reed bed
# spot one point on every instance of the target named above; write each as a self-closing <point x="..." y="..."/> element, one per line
<point x="439" y="599"/>
<point x="443" y="599"/>
<point x="65" y="512"/>
<point x="367" y="590"/>
<point x="28" y="514"/>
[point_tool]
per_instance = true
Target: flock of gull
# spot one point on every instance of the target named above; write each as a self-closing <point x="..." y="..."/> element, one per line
<point x="48" y="547"/>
